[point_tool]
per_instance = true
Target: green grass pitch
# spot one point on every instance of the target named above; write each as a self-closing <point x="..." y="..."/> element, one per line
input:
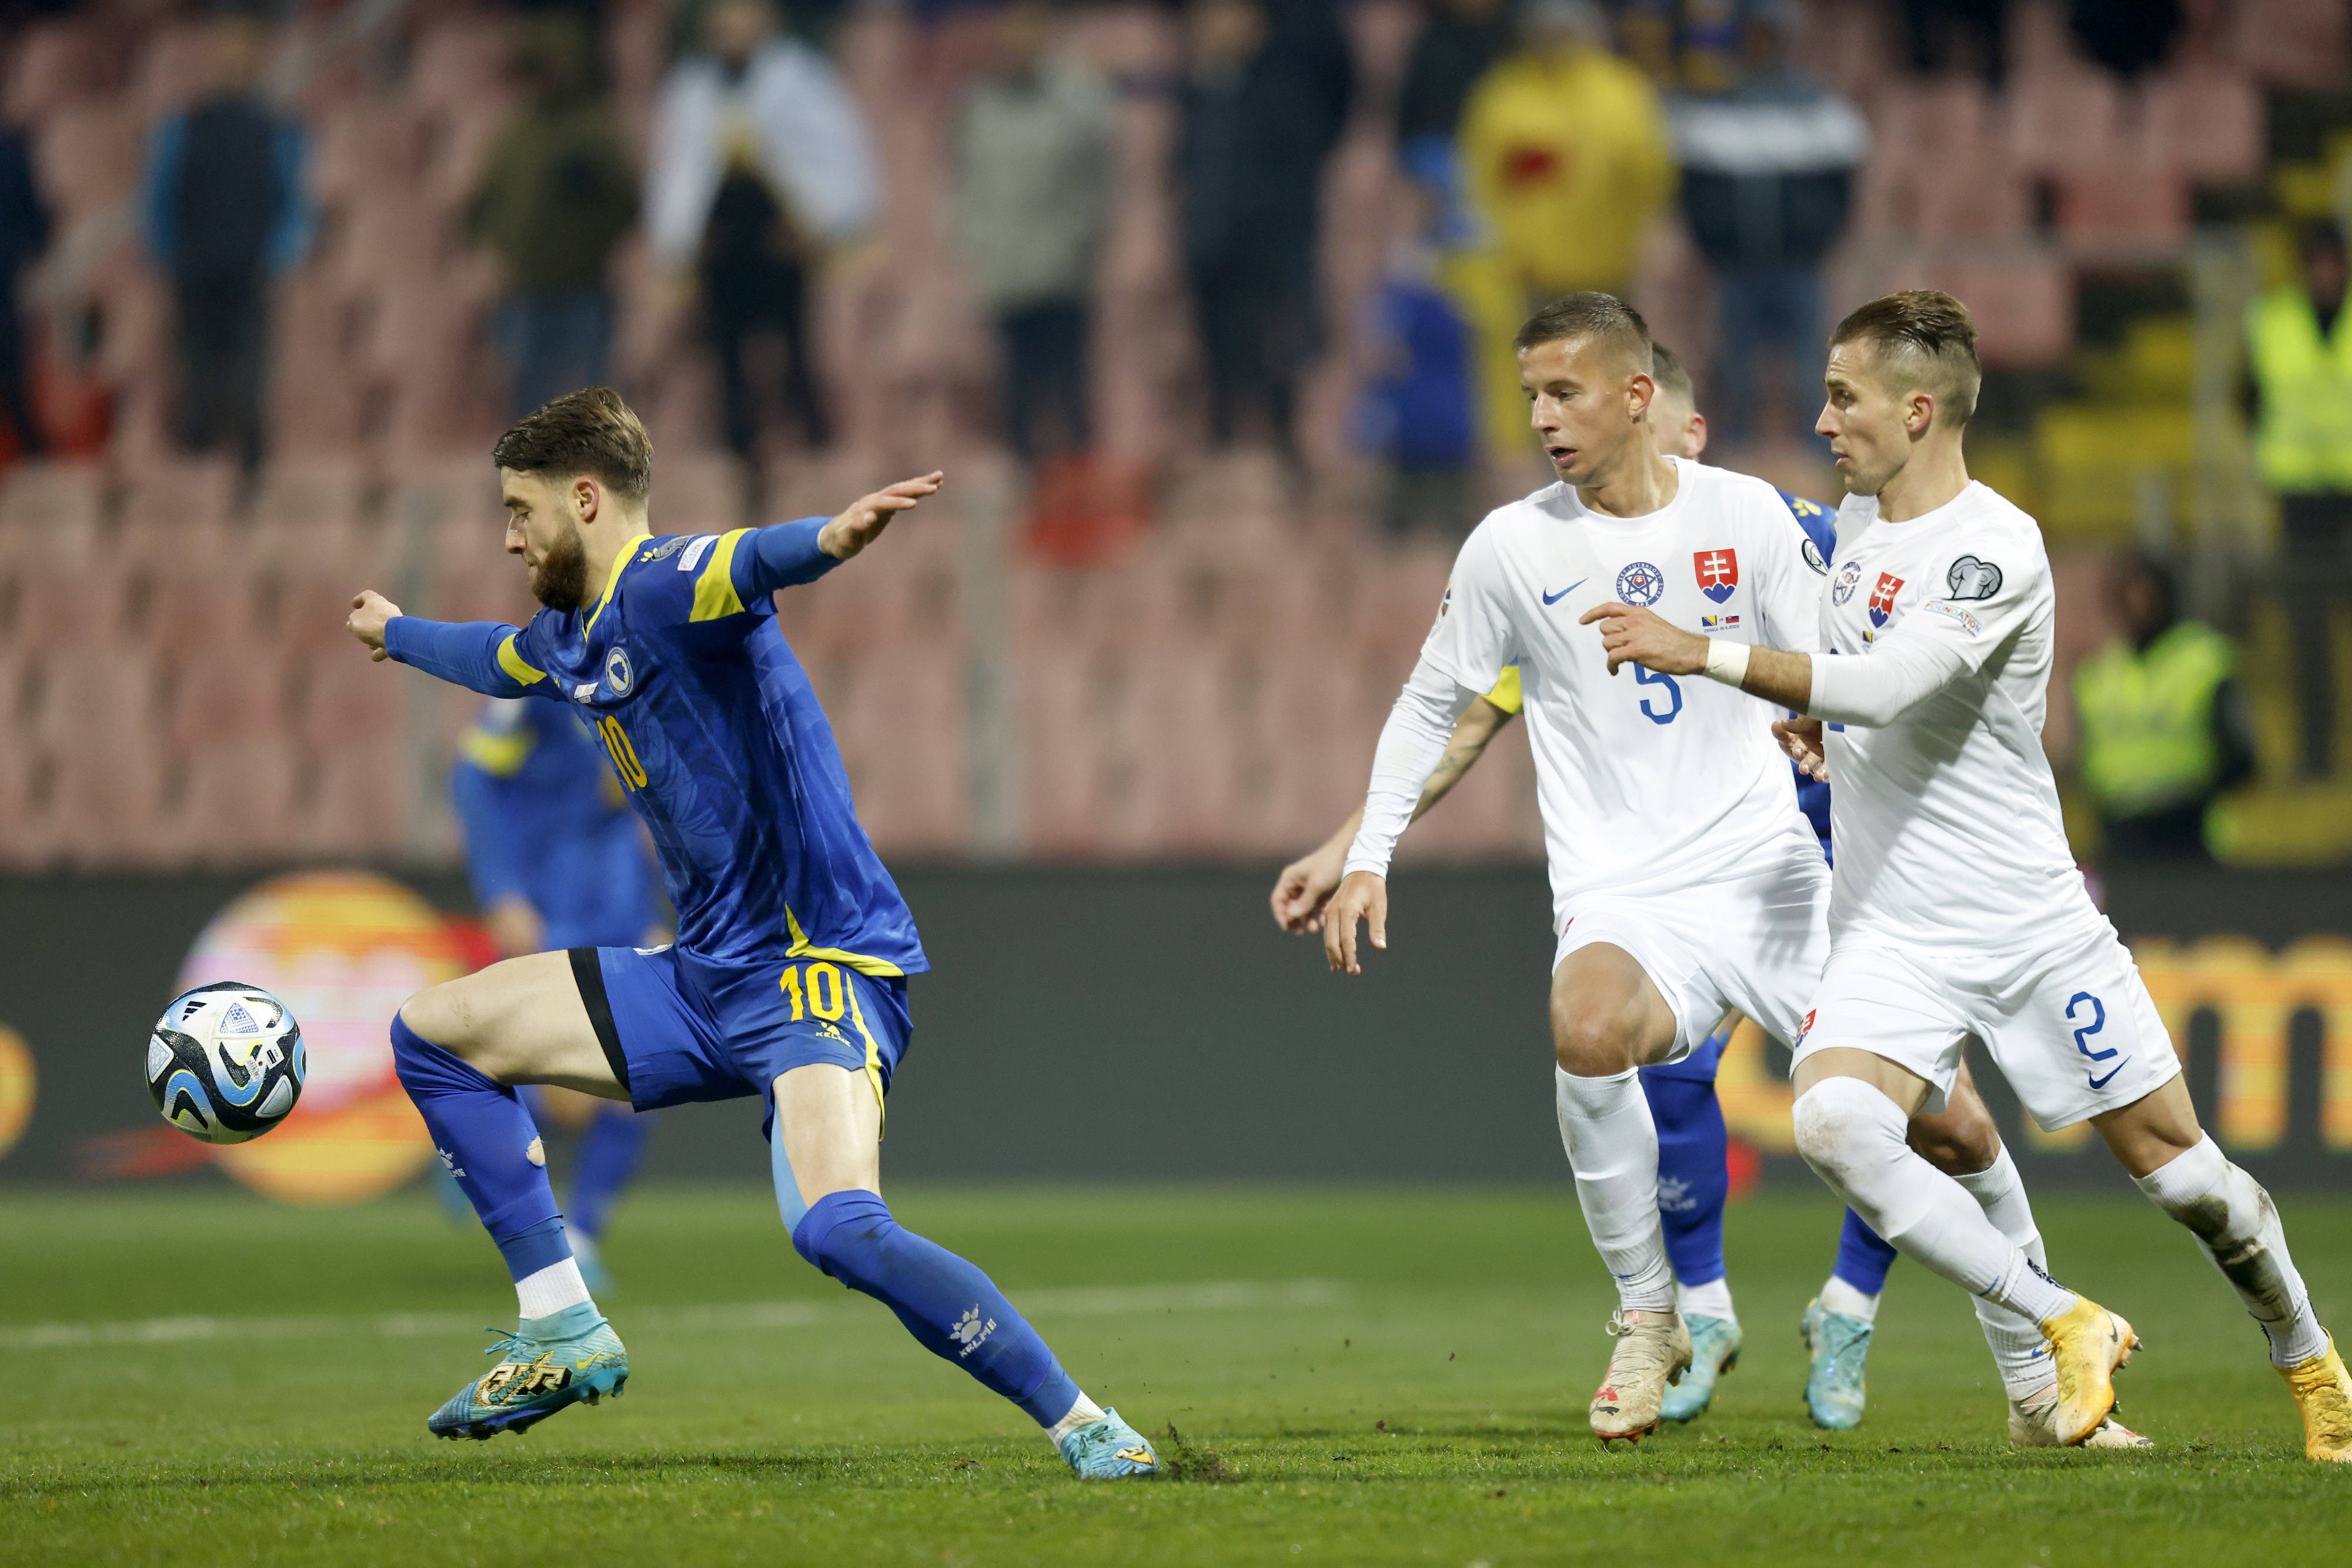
<point x="1359" y="1376"/>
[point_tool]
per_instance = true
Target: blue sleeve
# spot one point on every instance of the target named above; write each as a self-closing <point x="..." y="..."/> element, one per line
<point x="1817" y="521"/>
<point x="477" y="654"/>
<point x="297" y="214"/>
<point x="158" y="186"/>
<point x="782" y="556"/>
<point x="487" y="816"/>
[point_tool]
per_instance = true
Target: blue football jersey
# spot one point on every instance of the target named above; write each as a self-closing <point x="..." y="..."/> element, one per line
<point x="719" y="742"/>
<point x="1821" y="529"/>
<point x="545" y="819"/>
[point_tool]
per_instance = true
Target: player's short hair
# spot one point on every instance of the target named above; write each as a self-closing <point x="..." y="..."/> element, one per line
<point x="588" y="432"/>
<point x="1671" y="376"/>
<point x="1929" y="338"/>
<point x="1589" y="313"/>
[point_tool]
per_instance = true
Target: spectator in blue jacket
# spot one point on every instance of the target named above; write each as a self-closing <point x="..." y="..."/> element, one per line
<point x="227" y="208"/>
<point x="23" y="235"/>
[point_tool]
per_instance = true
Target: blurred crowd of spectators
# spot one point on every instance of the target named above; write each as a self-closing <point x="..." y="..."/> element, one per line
<point x="1542" y="141"/>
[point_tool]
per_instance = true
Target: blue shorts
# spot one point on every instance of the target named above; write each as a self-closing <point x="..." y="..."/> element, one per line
<point x="676" y="1028"/>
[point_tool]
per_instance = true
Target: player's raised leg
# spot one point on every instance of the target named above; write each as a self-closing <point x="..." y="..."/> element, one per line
<point x="826" y="1151"/>
<point x="460" y="1047"/>
<point x="1607" y="1018"/>
<point x="1694" y="1182"/>
<point x="2184" y="1173"/>
<point x="1852" y="1113"/>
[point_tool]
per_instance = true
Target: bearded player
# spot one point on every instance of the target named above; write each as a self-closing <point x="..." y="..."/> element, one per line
<point x="1958" y="911"/>
<point x="1685" y="881"/>
<point x="1692" y="1140"/>
<point x="788" y="979"/>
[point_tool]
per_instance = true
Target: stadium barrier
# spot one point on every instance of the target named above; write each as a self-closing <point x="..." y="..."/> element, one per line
<point x="1149" y="1015"/>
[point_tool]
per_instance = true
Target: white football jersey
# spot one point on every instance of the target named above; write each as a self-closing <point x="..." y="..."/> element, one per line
<point x="1946" y="821"/>
<point x="1647" y="782"/>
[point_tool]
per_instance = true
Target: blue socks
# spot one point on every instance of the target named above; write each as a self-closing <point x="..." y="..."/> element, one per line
<point x="952" y="1309"/>
<point x="608" y="1156"/>
<point x="1863" y="1259"/>
<point x="1694" y="1176"/>
<point x="484" y="1138"/>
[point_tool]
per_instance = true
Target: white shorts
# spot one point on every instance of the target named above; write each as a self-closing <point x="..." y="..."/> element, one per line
<point x="2071" y="1025"/>
<point x="1755" y="942"/>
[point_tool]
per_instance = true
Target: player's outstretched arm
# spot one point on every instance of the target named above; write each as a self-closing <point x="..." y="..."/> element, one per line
<point x="1307" y="883"/>
<point x="865" y="518"/>
<point x="477" y="654"/>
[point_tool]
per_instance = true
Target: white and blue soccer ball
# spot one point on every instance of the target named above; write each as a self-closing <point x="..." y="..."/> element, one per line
<point x="224" y="1062"/>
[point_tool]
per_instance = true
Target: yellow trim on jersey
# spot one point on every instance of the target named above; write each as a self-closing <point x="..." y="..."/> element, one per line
<point x="1506" y="694"/>
<point x="514" y="664"/>
<point x="873" y="1061"/>
<point x="501" y="756"/>
<point x="714" y="591"/>
<point x="613" y="578"/>
<point x="880" y="968"/>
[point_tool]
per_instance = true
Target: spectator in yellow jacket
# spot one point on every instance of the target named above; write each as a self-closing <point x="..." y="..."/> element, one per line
<point x="1566" y="161"/>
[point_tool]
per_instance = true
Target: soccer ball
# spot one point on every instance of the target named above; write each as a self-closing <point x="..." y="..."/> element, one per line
<point x="224" y="1062"/>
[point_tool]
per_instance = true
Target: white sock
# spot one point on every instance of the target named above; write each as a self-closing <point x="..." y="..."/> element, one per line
<point x="1712" y="1300"/>
<point x="1852" y="1136"/>
<point x="2016" y="1341"/>
<point x="1842" y="1298"/>
<point x="1612" y="1147"/>
<point x="1084" y="1413"/>
<point x="2233" y="1220"/>
<point x="553" y="1289"/>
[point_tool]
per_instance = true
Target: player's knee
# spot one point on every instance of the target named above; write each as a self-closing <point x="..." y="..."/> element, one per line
<point x="1591" y="1046"/>
<point x="1957" y="1147"/>
<point x="1838" y="1129"/>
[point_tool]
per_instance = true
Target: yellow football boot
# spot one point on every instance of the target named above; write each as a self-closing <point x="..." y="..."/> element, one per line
<point x="2323" y="1393"/>
<point x="2087" y="1344"/>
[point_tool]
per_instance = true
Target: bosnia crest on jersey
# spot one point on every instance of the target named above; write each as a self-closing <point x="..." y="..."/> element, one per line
<point x="1882" y="598"/>
<point x="1718" y="572"/>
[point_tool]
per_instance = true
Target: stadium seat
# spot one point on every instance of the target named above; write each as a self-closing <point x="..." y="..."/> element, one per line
<point x="363" y="801"/>
<point x="353" y="701"/>
<point x="68" y="606"/>
<point x="237" y="803"/>
<point x="225" y="692"/>
<point x="51" y="510"/>
<point x="190" y="612"/>
<point x="2207" y="124"/>
<point x="106" y="795"/>
<point x="87" y="158"/>
<point x="2291" y="42"/>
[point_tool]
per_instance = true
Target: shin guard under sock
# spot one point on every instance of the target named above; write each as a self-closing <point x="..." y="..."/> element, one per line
<point x="490" y="1145"/>
<point x="953" y="1309"/>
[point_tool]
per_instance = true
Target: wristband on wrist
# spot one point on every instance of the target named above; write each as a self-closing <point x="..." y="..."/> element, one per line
<point x="1726" y="661"/>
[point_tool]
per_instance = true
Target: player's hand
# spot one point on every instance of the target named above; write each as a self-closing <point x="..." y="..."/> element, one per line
<point x="1801" y="739"/>
<point x="1363" y="896"/>
<point x="515" y="926"/>
<point x="1304" y="887"/>
<point x="370" y="610"/>
<point x="1631" y="636"/>
<point x="867" y="516"/>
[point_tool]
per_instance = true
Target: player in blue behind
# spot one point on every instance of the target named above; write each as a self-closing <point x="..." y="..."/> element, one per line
<point x="788" y="979"/>
<point x="1694" y="1178"/>
<point x="558" y="861"/>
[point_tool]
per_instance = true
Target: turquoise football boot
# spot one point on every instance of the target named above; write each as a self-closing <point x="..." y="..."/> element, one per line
<point x="1834" y="1384"/>
<point x="1714" y="1350"/>
<point x="1109" y="1450"/>
<point x="546" y="1364"/>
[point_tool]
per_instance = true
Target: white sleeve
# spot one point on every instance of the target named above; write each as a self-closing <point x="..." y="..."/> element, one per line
<point x="1789" y="596"/>
<point x="1461" y="660"/>
<point x="1940" y="640"/>
<point x="1419" y="730"/>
